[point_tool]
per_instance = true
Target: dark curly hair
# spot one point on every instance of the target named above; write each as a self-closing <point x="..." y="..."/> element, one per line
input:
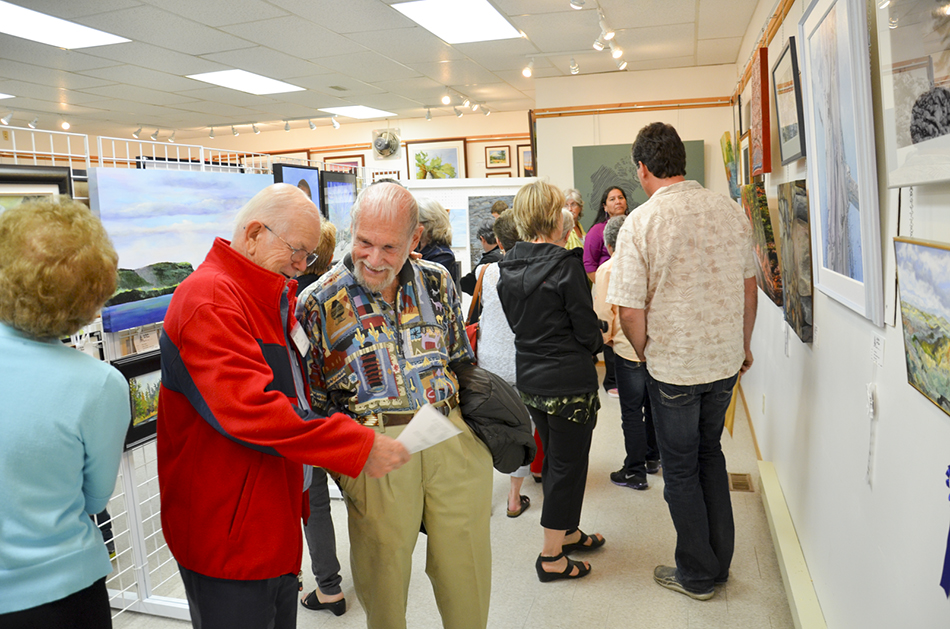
<point x="658" y="147"/>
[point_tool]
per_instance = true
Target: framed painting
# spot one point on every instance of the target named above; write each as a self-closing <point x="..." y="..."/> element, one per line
<point x="795" y="246"/>
<point x="525" y="161"/>
<point x="760" y="133"/>
<point x="729" y="159"/>
<point x="436" y="159"/>
<point x="842" y="177"/>
<point x="479" y="210"/>
<point x="144" y="375"/>
<point x="788" y="104"/>
<point x="768" y="275"/>
<point x="915" y="91"/>
<point x="307" y="178"/>
<point x="344" y="163"/>
<point x="497" y="157"/>
<point x="746" y="177"/>
<point x="504" y="174"/>
<point x="925" y="316"/>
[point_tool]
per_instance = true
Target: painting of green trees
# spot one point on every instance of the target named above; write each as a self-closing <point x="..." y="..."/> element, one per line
<point x="144" y="392"/>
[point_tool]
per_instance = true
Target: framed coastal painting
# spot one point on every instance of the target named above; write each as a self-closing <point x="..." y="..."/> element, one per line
<point x="768" y="275"/>
<point x="436" y="159"/>
<point x="787" y="87"/>
<point x="925" y="316"/>
<point x="842" y="176"/>
<point x="795" y="244"/>
<point x="760" y="133"/>
<point x="497" y="157"/>
<point x="915" y="91"/>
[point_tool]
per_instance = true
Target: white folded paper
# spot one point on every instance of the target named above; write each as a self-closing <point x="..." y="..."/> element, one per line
<point x="426" y="429"/>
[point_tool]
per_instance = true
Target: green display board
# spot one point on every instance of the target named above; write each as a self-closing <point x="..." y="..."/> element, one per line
<point x="597" y="168"/>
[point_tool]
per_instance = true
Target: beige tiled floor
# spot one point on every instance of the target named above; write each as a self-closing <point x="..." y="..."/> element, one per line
<point x="620" y="591"/>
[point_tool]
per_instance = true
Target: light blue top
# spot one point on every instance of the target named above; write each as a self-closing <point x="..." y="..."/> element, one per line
<point x="63" y="419"/>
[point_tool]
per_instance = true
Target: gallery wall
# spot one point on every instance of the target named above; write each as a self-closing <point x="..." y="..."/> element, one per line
<point x="874" y="548"/>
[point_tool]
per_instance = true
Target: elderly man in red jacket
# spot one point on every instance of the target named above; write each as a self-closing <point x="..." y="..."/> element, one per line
<point x="235" y="428"/>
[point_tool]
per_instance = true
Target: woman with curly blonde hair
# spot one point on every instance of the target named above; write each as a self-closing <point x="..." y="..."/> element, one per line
<point x="64" y="419"/>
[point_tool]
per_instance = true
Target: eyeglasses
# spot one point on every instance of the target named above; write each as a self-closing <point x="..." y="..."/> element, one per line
<point x="297" y="254"/>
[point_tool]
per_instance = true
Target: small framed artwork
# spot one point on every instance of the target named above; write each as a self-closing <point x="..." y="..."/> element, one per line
<point x="504" y="174"/>
<point x="144" y="375"/>
<point x="436" y="159"/>
<point x="788" y="104"/>
<point x="307" y="178"/>
<point x="760" y="146"/>
<point x="924" y="296"/>
<point x="497" y="157"/>
<point x="19" y="184"/>
<point x="525" y="161"/>
<point x="745" y="171"/>
<point x="344" y="163"/>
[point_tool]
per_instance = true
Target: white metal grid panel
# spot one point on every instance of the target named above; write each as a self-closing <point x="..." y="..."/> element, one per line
<point x="35" y="147"/>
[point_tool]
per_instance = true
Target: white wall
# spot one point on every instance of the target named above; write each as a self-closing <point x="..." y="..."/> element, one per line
<point x="875" y="551"/>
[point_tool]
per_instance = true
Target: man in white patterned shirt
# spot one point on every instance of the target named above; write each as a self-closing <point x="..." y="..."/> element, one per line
<point x="685" y="283"/>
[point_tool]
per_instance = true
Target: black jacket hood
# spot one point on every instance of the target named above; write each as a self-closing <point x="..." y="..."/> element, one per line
<point x="526" y="266"/>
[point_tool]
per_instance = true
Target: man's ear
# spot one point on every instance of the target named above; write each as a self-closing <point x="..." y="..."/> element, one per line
<point x="254" y="231"/>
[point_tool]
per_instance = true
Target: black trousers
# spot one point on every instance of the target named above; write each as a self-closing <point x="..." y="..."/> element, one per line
<point x="564" y="476"/>
<point x="231" y="604"/>
<point x="610" y="376"/>
<point x="85" y="609"/>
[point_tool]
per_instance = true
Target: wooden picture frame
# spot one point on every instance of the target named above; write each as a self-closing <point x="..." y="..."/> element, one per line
<point x="525" y="161"/>
<point x="436" y="159"/>
<point x="789" y="113"/>
<point x="46" y="180"/>
<point x="745" y="173"/>
<point x="504" y="174"/>
<point x="497" y="157"/>
<point x="760" y="132"/>
<point x="144" y="375"/>
<point x="344" y="163"/>
<point x="842" y="173"/>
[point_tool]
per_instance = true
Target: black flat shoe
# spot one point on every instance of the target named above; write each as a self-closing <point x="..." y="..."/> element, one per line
<point x="312" y="602"/>
<point x="525" y="502"/>
<point x="544" y="576"/>
<point x="581" y="545"/>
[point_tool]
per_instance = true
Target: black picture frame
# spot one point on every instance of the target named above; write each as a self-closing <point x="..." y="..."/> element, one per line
<point x="53" y="175"/>
<point x="789" y="112"/>
<point x="140" y="371"/>
<point x="312" y="176"/>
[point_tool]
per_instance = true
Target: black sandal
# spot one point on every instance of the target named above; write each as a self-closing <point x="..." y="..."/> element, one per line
<point x="312" y="602"/>
<point x="524" y="503"/>
<point x="581" y="545"/>
<point x="544" y="576"/>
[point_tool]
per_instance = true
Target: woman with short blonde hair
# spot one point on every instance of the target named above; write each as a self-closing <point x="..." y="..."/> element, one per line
<point x="537" y="210"/>
<point x="64" y="419"/>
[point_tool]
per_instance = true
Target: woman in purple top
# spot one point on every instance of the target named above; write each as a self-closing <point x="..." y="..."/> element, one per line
<point x="613" y="203"/>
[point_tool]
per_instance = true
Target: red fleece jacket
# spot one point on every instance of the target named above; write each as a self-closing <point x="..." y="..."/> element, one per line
<point x="231" y="439"/>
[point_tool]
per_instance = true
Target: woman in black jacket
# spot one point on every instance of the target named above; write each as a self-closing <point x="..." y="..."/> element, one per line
<point x="544" y="293"/>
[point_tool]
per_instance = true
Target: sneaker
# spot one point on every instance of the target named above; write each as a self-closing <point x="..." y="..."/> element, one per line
<point x="666" y="576"/>
<point x="613" y="392"/>
<point x="633" y="481"/>
<point x="653" y="466"/>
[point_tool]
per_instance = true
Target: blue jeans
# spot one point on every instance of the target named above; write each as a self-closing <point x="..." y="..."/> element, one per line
<point x="636" y="417"/>
<point x="689" y="421"/>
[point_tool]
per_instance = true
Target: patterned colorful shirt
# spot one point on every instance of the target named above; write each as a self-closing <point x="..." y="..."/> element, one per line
<point x="367" y="357"/>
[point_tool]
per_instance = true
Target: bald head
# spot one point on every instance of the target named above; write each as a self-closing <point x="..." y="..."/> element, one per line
<point x="387" y="201"/>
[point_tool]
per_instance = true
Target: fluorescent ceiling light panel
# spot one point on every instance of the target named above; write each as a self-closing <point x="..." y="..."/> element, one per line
<point x="459" y="21"/>
<point x="358" y="111"/>
<point x="7" y="95"/>
<point x="244" y="81"/>
<point x="47" y="29"/>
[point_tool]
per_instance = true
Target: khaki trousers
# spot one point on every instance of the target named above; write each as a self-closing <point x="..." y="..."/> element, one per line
<point x="447" y="487"/>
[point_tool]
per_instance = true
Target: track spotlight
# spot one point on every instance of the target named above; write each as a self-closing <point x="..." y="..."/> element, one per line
<point x="6" y="119"/>
<point x="428" y="114"/>
<point x="64" y="125"/>
<point x="154" y="136"/>
<point x="255" y="129"/>
<point x="211" y="135"/>
<point x="574" y="67"/>
<point x="528" y="70"/>
<point x="32" y="124"/>
<point x="615" y="51"/>
<point x="313" y="127"/>
<point x="892" y="23"/>
<point x="234" y="131"/>
<point x="446" y="98"/>
<point x="621" y="64"/>
<point x="286" y="125"/>
<point x="458" y="114"/>
<point x="475" y="106"/>
<point x="599" y="43"/>
<point x="883" y="4"/>
<point x="171" y="138"/>
<point x="606" y="32"/>
<point x="577" y="4"/>
<point x="137" y="132"/>
<point x="466" y="102"/>
<point x="486" y="111"/>
<point x="336" y="123"/>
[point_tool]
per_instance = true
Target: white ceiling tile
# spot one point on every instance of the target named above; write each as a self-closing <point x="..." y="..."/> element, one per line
<point x="359" y="16"/>
<point x="296" y="37"/>
<point x="202" y="91"/>
<point x="457" y="72"/>
<point x="215" y="109"/>
<point x="556" y="32"/>
<point x="507" y="54"/>
<point x="24" y="89"/>
<point x="717" y="51"/>
<point x="220" y="12"/>
<point x="46" y="76"/>
<point x="154" y="26"/>
<point x="312" y="99"/>
<point x="266" y="62"/>
<point x="660" y="64"/>
<point x="422" y="89"/>
<point x="493" y="91"/>
<point x="623" y="14"/>
<point x="156" y="58"/>
<point x="26" y="51"/>
<point x="724" y="18"/>
<point x="658" y="43"/>
<point x="142" y="77"/>
<point x="291" y="110"/>
<point x="390" y="102"/>
<point x="139" y="94"/>
<point x="368" y="66"/>
<point x="409" y="45"/>
<point x="76" y="8"/>
<point x="330" y="83"/>
<point x="530" y="7"/>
